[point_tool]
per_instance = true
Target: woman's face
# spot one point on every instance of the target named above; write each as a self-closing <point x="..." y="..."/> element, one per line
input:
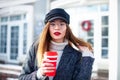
<point x="57" y="30"/>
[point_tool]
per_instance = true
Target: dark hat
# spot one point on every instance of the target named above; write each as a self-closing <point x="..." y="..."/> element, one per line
<point x="57" y="13"/>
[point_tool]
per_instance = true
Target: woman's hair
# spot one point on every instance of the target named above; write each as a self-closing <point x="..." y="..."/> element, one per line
<point x="44" y="42"/>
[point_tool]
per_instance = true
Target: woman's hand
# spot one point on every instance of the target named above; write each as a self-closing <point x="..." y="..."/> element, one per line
<point x="46" y="66"/>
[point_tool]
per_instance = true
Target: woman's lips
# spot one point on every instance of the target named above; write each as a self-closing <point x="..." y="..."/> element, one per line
<point x="57" y="33"/>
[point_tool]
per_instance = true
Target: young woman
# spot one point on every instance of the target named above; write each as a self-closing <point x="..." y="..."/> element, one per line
<point x="72" y="64"/>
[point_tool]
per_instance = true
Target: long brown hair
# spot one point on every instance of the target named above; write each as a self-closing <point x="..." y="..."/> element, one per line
<point x="45" y="38"/>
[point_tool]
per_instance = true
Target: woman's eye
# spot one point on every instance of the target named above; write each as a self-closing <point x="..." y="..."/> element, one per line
<point x="62" y="24"/>
<point x="52" y="24"/>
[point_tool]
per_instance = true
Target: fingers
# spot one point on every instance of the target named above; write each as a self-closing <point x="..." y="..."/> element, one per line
<point x="43" y="70"/>
<point x="47" y="66"/>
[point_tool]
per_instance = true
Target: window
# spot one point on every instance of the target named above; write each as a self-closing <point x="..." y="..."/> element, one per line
<point x="3" y="38"/>
<point x="25" y="39"/>
<point x="104" y="7"/>
<point x="104" y="31"/>
<point x="15" y="17"/>
<point x="24" y="16"/>
<point x="91" y="41"/>
<point x="4" y="19"/>
<point x="105" y="39"/>
<point x="104" y="53"/>
<point x="104" y="20"/>
<point x="104" y="42"/>
<point x="90" y="33"/>
<point x="14" y="42"/>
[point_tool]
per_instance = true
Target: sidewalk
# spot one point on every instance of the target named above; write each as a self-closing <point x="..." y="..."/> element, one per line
<point x="11" y="72"/>
<point x="100" y="75"/>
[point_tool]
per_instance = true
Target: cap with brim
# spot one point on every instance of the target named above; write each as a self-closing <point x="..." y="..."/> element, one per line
<point x="58" y="17"/>
<point x="57" y="13"/>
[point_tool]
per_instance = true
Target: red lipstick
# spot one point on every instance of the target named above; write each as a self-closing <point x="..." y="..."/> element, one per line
<point x="57" y="33"/>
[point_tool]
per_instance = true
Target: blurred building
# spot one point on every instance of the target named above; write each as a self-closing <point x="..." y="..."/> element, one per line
<point x="17" y="31"/>
<point x="21" y="21"/>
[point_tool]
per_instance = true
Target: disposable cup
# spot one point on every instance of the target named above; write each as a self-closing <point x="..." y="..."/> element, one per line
<point x="52" y="58"/>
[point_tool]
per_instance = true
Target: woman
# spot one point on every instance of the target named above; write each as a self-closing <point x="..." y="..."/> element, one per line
<point x="56" y="36"/>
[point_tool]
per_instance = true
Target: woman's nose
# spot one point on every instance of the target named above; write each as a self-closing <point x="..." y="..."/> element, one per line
<point x="57" y="26"/>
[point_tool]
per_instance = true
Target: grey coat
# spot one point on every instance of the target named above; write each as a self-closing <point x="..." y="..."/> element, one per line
<point x="72" y="65"/>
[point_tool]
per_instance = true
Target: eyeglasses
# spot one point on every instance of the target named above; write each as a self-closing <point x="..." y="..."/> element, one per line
<point x="57" y="25"/>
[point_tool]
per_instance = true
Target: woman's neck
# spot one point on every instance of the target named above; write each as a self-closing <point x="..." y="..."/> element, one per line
<point x="58" y="41"/>
<point x="58" y="46"/>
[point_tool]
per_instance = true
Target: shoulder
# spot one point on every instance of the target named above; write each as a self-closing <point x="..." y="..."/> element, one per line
<point x="33" y="50"/>
<point x="35" y="43"/>
<point x="69" y="49"/>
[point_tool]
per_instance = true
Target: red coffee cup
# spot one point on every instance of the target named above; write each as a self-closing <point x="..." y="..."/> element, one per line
<point x="52" y="56"/>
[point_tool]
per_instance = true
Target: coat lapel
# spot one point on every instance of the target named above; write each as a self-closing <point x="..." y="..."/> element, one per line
<point x="65" y="58"/>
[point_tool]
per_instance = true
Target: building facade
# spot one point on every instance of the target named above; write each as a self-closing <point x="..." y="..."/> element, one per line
<point x="16" y="30"/>
<point x="18" y="26"/>
<point x="22" y="21"/>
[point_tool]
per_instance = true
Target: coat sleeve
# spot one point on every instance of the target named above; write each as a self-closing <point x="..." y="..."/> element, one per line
<point x="84" y="69"/>
<point x="28" y="72"/>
